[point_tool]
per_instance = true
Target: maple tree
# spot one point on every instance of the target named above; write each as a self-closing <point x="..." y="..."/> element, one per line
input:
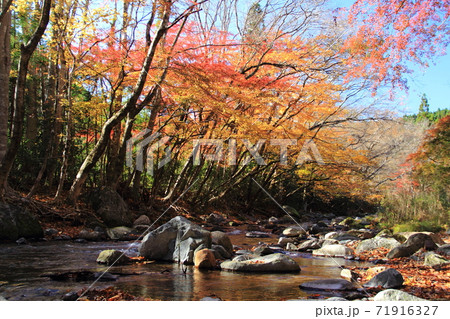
<point x="392" y="33"/>
<point x="217" y="70"/>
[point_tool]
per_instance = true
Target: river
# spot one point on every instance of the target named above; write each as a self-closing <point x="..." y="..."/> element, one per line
<point x="23" y="271"/>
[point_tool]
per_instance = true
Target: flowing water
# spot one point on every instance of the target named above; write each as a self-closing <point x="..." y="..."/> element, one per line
<point x="23" y="271"/>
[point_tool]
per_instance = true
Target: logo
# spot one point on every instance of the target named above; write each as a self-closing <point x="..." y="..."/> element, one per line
<point x="145" y="146"/>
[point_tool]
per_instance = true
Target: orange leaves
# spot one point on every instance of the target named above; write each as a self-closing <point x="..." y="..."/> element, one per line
<point x="392" y="32"/>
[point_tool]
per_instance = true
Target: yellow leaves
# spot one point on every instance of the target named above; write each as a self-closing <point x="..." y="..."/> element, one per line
<point x="23" y="7"/>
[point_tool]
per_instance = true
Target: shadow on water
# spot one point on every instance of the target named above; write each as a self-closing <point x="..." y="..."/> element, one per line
<point x="23" y="270"/>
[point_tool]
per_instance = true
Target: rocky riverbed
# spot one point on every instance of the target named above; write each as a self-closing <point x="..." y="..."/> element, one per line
<point x="274" y="259"/>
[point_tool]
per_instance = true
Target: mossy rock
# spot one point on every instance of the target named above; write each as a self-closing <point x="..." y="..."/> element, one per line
<point x="110" y="257"/>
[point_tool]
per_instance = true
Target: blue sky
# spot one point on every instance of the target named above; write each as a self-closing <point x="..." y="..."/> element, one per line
<point x="434" y="82"/>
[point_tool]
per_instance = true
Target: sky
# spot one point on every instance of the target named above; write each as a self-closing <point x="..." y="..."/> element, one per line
<point x="434" y="82"/>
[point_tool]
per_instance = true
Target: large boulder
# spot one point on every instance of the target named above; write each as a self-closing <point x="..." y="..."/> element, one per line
<point x="334" y="251"/>
<point x="16" y="222"/>
<point x="413" y="244"/>
<point x="421" y="240"/>
<point x="278" y="263"/>
<point x="328" y="284"/>
<point x="220" y="238"/>
<point x="435" y="237"/>
<point x="122" y="233"/>
<point x="175" y="241"/>
<point x="375" y="243"/>
<point x="204" y="259"/>
<point x="395" y="295"/>
<point x="390" y="278"/>
<point x="111" y="208"/>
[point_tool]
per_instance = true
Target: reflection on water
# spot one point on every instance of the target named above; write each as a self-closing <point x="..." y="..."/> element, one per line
<point x="22" y="269"/>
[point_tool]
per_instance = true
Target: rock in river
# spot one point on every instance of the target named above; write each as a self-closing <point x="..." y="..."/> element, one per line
<point x="112" y="209"/>
<point x="328" y="284"/>
<point x="257" y="234"/>
<point x="277" y="263"/>
<point x="110" y="257"/>
<point x="204" y="259"/>
<point x="375" y="243"/>
<point x="433" y="260"/>
<point x="122" y="233"/>
<point x="390" y="278"/>
<point x="413" y="244"/>
<point x="444" y="250"/>
<point x="220" y="238"/>
<point x="16" y="222"/>
<point x="175" y="241"/>
<point x="294" y="231"/>
<point x="395" y="295"/>
<point x="334" y="251"/>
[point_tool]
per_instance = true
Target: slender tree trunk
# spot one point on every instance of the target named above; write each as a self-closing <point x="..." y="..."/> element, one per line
<point x="19" y="96"/>
<point x="150" y="127"/>
<point x="99" y="149"/>
<point x="5" y="67"/>
<point x="67" y="140"/>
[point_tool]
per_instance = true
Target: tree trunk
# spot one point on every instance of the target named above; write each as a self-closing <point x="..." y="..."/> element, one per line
<point x="26" y="51"/>
<point x="93" y="157"/>
<point x="5" y="67"/>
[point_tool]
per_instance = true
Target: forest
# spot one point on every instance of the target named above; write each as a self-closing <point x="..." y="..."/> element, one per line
<point x="111" y="110"/>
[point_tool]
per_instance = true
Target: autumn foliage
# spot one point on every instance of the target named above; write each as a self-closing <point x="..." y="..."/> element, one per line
<point x="247" y="75"/>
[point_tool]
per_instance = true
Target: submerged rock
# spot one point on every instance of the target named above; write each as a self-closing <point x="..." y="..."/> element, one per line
<point x="328" y="284"/>
<point x="175" y="241"/>
<point x="257" y="234"/>
<point x="277" y="263"/>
